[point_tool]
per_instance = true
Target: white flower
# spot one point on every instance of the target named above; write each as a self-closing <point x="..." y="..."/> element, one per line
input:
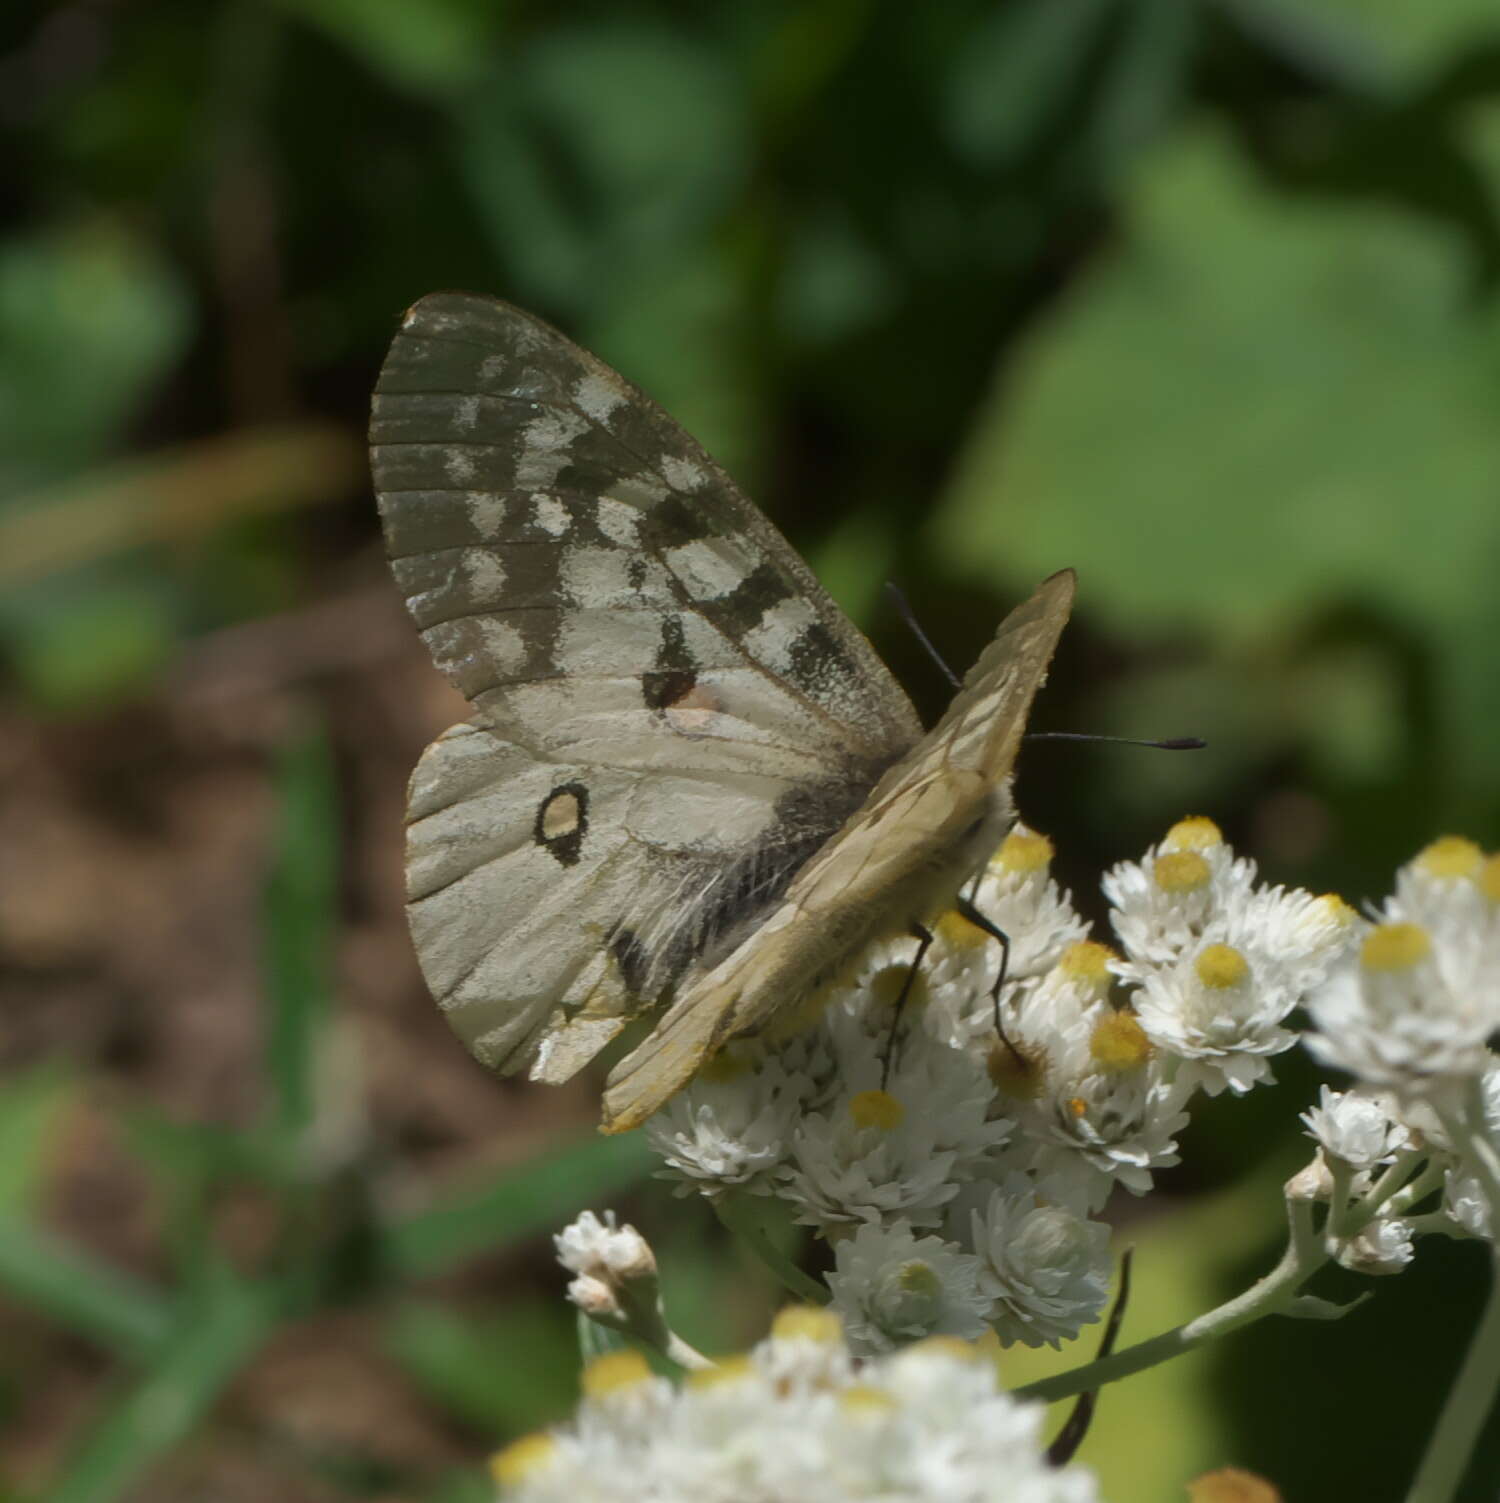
<point x="1214" y="1010"/>
<point x="1087" y="1087"/>
<point x="1383" y="1247"/>
<point x="612" y="1263"/>
<point x="1166" y="903"/>
<point x="1465" y="1201"/>
<point x="1045" y="1270"/>
<point x="892" y="1287"/>
<point x="1416" y="1009"/>
<point x="1017" y="894"/>
<point x="602" y="1249"/>
<point x="1464" y="1195"/>
<point x="1404" y="1013"/>
<point x="1219" y="963"/>
<point x="1355" y="1128"/>
<point x="929" y="1423"/>
<point x="732" y="1125"/>
<point x="869" y="1158"/>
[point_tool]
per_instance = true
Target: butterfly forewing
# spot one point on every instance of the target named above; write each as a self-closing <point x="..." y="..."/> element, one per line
<point x="671" y="715"/>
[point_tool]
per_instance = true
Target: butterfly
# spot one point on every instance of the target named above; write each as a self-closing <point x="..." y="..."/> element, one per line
<point x="689" y="788"/>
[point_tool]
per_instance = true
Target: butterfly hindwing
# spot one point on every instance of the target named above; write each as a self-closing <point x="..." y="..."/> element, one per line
<point x="670" y="714"/>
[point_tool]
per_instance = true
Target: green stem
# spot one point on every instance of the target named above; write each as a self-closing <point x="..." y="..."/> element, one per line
<point x="1268" y="1296"/>
<point x="733" y="1214"/>
<point x="1468" y="1403"/>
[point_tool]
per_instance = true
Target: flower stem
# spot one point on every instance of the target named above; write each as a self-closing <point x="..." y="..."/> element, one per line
<point x="1267" y="1296"/>
<point x="1464" y="1412"/>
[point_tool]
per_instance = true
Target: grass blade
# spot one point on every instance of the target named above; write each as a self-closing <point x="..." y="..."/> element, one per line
<point x="538" y="1196"/>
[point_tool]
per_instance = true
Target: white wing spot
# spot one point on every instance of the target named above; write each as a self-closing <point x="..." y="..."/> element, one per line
<point x="458" y="465"/>
<point x="642" y="489"/>
<point x="486" y="512"/>
<point x="546" y="443"/>
<point x="618" y="521"/>
<point x="598" y="394"/>
<point x="466" y="413"/>
<point x="597" y="576"/>
<point x="550" y="515"/>
<point x="772" y="638"/>
<point x="704" y="570"/>
<point x="683" y="474"/>
<point x="503" y="645"/>
<point x="485" y="572"/>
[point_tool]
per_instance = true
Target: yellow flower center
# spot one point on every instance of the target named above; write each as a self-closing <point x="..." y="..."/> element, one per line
<point x="957" y="932"/>
<point x="876" y="1109"/>
<point x="1017" y="1074"/>
<point x="1450" y="856"/>
<point x="888" y="983"/>
<point x="614" y="1371"/>
<point x="1395" y="947"/>
<point x="807" y="1323"/>
<point x="1023" y="851"/>
<point x="726" y="1370"/>
<point x="1221" y="966"/>
<point x="1118" y="1044"/>
<point x="917" y="1277"/>
<point x="1087" y="962"/>
<point x="1181" y="871"/>
<point x="1336" y="910"/>
<point x="1195" y="833"/>
<point x="947" y="1346"/>
<point x="521" y="1459"/>
<point x="865" y="1398"/>
<point x="1489" y="879"/>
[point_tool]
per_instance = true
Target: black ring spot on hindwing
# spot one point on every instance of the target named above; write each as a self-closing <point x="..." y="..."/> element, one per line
<point x="562" y="820"/>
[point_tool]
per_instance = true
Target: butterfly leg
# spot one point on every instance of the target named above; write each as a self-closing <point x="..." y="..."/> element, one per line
<point x="964" y="904"/>
<point x="923" y="937"/>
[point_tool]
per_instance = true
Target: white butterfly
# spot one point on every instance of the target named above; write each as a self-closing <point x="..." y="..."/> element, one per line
<point x="688" y="778"/>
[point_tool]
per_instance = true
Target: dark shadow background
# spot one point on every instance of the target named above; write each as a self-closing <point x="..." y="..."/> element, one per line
<point x="1197" y="298"/>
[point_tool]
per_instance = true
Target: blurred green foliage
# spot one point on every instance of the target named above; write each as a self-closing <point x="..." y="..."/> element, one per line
<point x="1196" y="297"/>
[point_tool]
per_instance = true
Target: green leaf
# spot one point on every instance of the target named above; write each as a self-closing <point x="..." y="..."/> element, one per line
<point x="81" y="645"/>
<point x="217" y="1333"/>
<point x="30" y="1105"/>
<point x="1020" y="70"/>
<point x="503" y="1372"/>
<point x="1257" y="403"/>
<point x="539" y="1196"/>
<point x="90" y="1298"/>
<point x="583" y="186"/>
<point x="90" y="320"/>
<point x="423" y="46"/>
<point x="299" y="926"/>
<point x="1311" y="1307"/>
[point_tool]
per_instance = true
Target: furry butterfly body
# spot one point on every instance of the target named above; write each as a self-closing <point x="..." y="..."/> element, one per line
<point x="688" y="780"/>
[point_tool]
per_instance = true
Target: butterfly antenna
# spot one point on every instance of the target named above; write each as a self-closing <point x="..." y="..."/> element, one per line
<point x="1169" y="743"/>
<point x="903" y="605"/>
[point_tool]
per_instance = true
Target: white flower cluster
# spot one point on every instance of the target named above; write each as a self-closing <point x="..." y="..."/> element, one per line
<point x="1410" y="1011"/>
<point x="796" y="1420"/>
<point x="952" y="1150"/>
